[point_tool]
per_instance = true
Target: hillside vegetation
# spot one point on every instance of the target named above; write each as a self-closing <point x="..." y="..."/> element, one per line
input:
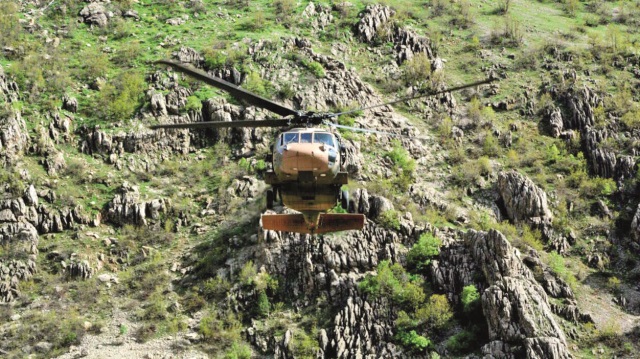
<point x="504" y="223"/>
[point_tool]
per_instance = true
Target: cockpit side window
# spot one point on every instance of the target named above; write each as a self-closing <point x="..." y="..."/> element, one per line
<point x="305" y="137"/>
<point x="325" y="138"/>
<point x="290" y="138"/>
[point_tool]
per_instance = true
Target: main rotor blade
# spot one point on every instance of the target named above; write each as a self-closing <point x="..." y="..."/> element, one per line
<point x="452" y="89"/>
<point x="225" y="124"/>
<point x="235" y="91"/>
<point x="372" y="131"/>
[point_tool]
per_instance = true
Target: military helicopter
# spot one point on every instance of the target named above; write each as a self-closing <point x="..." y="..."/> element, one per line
<point x="308" y="162"/>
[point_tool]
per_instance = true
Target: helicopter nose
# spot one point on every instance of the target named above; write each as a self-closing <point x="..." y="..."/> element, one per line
<point x="304" y="158"/>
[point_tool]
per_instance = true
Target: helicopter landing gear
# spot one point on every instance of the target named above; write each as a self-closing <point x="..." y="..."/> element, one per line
<point x="270" y="198"/>
<point x="344" y="199"/>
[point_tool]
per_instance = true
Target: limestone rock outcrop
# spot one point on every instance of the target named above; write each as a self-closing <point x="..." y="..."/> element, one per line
<point x="373" y="19"/>
<point x="95" y="14"/>
<point x="19" y="235"/>
<point x="128" y="208"/>
<point x="13" y="137"/>
<point x="523" y="200"/>
<point x="515" y="305"/>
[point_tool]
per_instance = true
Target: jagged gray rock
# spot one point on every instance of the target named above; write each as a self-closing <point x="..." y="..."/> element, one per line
<point x="523" y="200"/>
<point x="515" y="305"/>
<point x="319" y="15"/>
<point x="78" y="269"/>
<point x="95" y="14"/>
<point x="189" y="55"/>
<point x="8" y="89"/>
<point x="128" y="208"/>
<point x="581" y="104"/>
<point x="13" y="136"/>
<point x="372" y="19"/>
<point x="635" y="226"/>
<point x="69" y="103"/>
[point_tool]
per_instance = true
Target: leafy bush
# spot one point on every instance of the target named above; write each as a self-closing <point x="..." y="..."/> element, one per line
<point x="390" y="219"/>
<point x="315" y="67"/>
<point x="421" y="254"/>
<point x="393" y="282"/>
<point x="470" y="298"/>
<point x="413" y="341"/>
<point x="256" y="84"/>
<point x="461" y="342"/>
<point x="436" y="313"/>
<point x="238" y="351"/>
<point x="10" y="27"/>
<point x="417" y="69"/>
<point x="407" y="165"/>
<point x="263" y="306"/>
<point x="193" y="104"/>
<point x="119" y="99"/>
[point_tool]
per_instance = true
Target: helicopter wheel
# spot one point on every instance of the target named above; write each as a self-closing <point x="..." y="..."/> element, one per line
<point x="270" y="198"/>
<point x="344" y="200"/>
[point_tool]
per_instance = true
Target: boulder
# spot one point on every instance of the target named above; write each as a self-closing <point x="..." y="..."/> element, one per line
<point x="95" y="14"/>
<point x="523" y="200"/>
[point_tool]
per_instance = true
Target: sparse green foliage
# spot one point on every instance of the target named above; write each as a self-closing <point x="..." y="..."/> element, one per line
<point x="390" y="219"/>
<point x="413" y="341"/>
<point x="238" y="350"/>
<point x="193" y="104"/>
<point x="421" y="254"/>
<point x="10" y="27"/>
<point x="417" y="70"/>
<point x="470" y="298"/>
<point x="119" y="99"/>
<point x="614" y="284"/>
<point x="393" y="282"/>
<point x="263" y="306"/>
<point x="436" y="313"/>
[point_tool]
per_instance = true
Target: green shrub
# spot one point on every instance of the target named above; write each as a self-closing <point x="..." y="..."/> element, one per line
<point x="284" y="9"/>
<point x="393" y="282"/>
<point x="238" y="351"/>
<point x="407" y="165"/>
<point x="263" y="306"/>
<point x="614" y="284"/>
<point x="413" y="341"/>
<point x="257" y="85"/>
<point x="532" y="238"/>
<point x="193" y="104"/>
<point x="417" y="69"/>
<point x="461" y="342"/>
<point x="470" y="298"/>
<point x="215" y="288"/>
<point x="436" y="313"/>
<point x="10" y="27"/>
<point x="315" y="67"/>
<point x="120" y="98"/>
<point x="390" y="219"/>
<point x="247" y="274"/>
<point x="484" y="165"/>
<point x="421" y="254"/>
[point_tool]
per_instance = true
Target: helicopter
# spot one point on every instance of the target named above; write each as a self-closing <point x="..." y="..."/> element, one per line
<point x="308" y="162"/>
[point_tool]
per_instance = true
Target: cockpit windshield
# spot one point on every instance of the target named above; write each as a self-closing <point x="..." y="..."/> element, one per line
<point x="290" y="137"/>
<point x="325" y="138"/>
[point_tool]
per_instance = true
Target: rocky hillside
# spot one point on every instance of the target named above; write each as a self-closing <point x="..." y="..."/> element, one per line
<point x="505" y="223"/>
